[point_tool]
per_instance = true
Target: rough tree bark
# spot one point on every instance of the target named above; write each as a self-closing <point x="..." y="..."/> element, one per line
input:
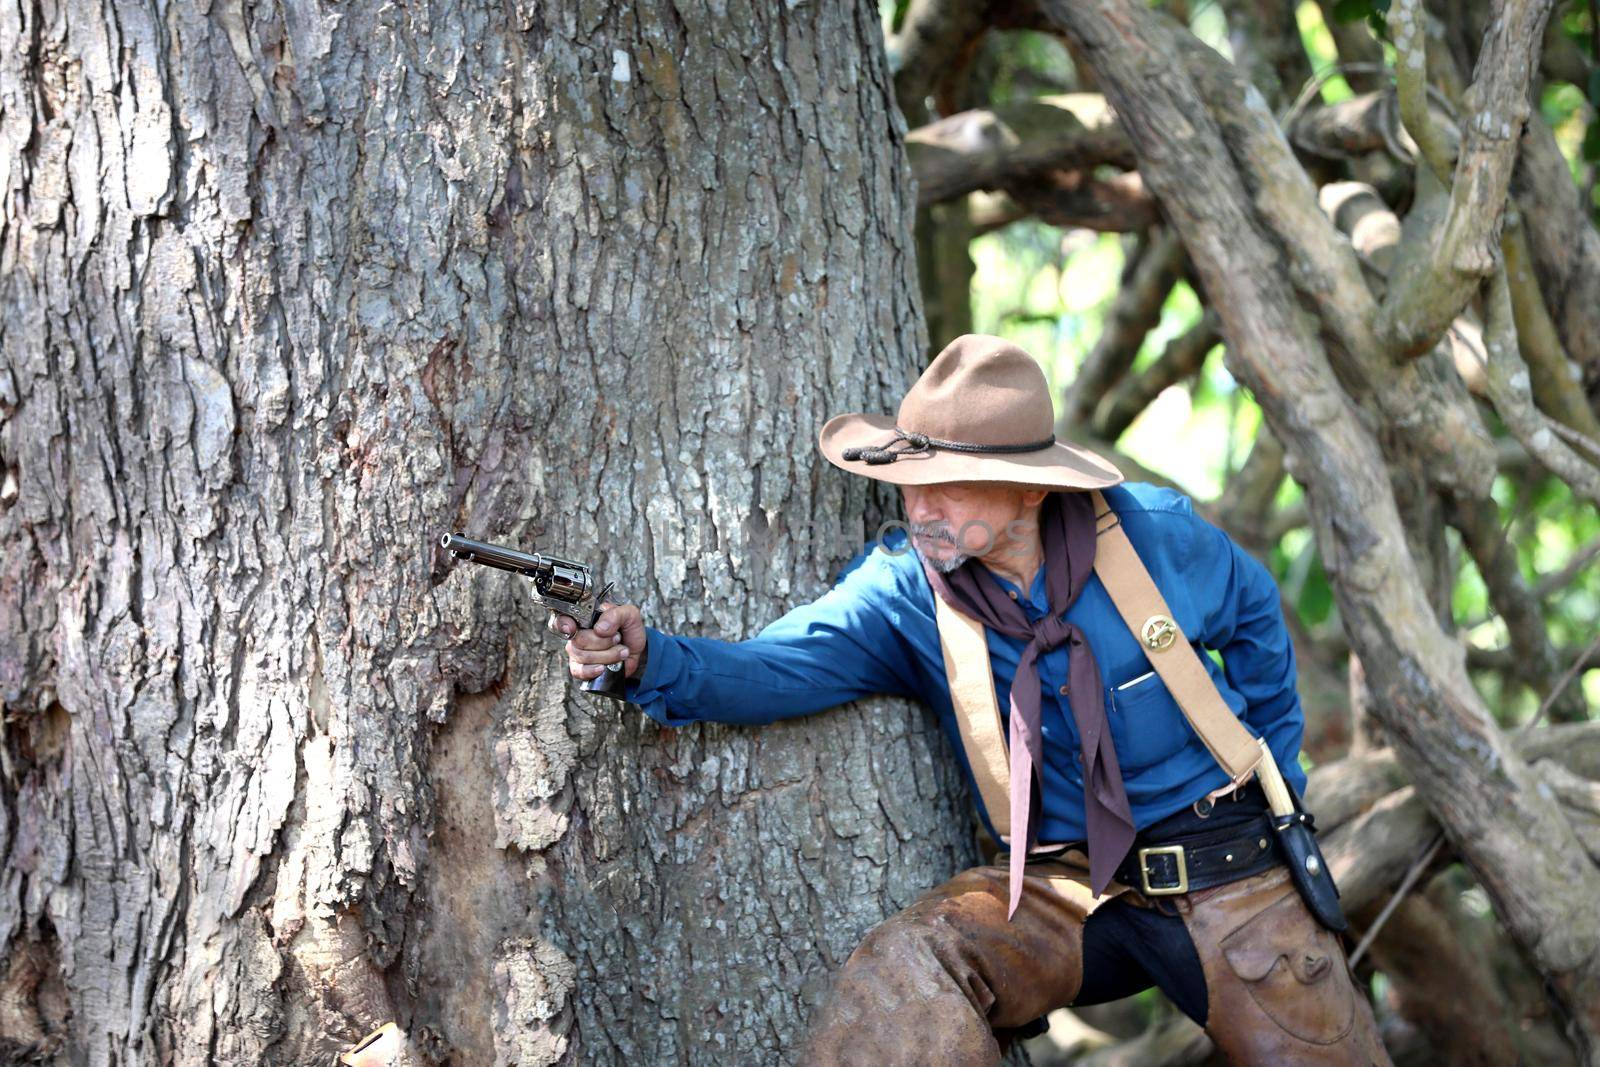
<point x="288" y="290"/>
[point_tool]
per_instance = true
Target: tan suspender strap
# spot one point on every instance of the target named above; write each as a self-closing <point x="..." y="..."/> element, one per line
<point x="1142" y="607"/>
<point x="977" y="709"/>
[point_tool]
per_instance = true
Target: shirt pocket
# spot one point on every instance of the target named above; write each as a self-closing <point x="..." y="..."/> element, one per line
<point x="1147" y="726"/>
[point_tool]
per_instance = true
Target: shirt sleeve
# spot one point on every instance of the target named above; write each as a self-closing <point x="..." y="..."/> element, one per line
<point x="838" y="648"/>
<point x="1244" y="621"/>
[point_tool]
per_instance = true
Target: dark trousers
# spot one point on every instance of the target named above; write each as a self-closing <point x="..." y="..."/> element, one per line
<point x="1127" y="949"/>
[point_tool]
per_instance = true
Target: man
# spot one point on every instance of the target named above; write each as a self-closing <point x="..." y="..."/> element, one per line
<point x="1143" y="861"/>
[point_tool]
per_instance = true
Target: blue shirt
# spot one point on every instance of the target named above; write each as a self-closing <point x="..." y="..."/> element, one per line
<point x="875" y="632"/>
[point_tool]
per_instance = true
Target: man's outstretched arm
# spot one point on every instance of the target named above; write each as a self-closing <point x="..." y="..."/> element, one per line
<point x="836" y="649"/>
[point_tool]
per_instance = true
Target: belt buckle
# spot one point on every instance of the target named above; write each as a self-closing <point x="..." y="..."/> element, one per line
<point x="1182" y="871"/>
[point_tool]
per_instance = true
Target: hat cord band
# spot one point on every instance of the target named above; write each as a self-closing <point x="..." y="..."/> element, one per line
<point x="918" y="443"/>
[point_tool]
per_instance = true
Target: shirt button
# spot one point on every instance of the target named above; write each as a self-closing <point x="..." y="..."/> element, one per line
<point x="1012" y="593"/>
<point x="1064" y="690"/>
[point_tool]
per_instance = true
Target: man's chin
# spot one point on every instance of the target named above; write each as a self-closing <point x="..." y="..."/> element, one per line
<point x="943" y="562"/>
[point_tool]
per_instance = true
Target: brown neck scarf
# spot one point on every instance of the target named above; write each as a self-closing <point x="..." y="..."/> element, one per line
<point x="1067" y="530"/>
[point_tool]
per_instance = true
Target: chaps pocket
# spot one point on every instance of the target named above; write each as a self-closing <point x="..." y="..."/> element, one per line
<point x="1292" y="968"/>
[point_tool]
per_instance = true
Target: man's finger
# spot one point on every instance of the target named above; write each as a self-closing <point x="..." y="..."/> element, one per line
<point x="593" y="640"/>
<point x="609" y="654"/>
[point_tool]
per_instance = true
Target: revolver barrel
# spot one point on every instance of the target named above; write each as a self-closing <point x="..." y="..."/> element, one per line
<point x="506" y="559"/>
<point x="558" y="581"/>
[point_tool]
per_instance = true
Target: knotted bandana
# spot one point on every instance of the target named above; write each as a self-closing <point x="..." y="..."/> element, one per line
<point x="1067" y="530"/>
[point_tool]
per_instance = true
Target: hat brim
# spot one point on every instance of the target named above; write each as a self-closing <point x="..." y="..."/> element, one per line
<point x="1061" y="466"/>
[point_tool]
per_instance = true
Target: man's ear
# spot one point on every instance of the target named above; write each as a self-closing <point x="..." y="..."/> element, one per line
<point x="1032" y="498"/>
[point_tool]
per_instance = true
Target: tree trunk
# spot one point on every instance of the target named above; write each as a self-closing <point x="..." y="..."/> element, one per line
<point x="288" y="292"/>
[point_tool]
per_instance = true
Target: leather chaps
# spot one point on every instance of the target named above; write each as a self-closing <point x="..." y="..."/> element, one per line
<point x="933" y="984"/>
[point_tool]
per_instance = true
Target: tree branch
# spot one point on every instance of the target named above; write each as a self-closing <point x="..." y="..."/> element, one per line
<point x="1504" y="659"/>
<point x="1562" y="60"/>
<point x="1506" y="378"/>
<point x="1558" y="580"/>
<point x="1411" y="85"/>
<point x="987" y="149"/>
<point x="933" y="37"/>
<point x="1353" y="127"/>
<point x="1554" y="376"/>
<point x="1535" y="657"/>
<point x="1563" y="246"/>
<point x="1455" y="256"/>
<point x="1134" y="312"/>
<point x="1037" y="140"/>
<point x="1443" y="988"/>
<point x="1265" y="41"/>
<point x="1423" y="399"/>
<point x="1073" y="200"/>
<point x="1179" y="361"/>
<point x="1356" y="47"/>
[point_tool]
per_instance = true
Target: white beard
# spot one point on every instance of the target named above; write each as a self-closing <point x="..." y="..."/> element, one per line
<point x="945" y="565"/>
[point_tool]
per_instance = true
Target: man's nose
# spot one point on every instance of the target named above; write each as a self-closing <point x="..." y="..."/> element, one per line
<point x="918" y="508"/>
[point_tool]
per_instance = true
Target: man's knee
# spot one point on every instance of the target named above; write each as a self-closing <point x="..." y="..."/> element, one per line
<point x="921" y="936"/>
<point x="906" y="996"/>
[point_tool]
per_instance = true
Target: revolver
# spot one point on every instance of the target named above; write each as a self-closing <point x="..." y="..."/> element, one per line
<point x="558" y="584"/>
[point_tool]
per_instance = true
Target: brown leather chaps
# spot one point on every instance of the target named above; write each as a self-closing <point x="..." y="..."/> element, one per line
<point x="932" y="984"/>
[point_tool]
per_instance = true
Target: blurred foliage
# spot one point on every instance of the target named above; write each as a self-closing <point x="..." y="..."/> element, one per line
<point x="1050" y="290"/>
<point x="1319" y="48"/>
<point x="1572" y="110"/>
<point x="1375" y="13"/>
<point x="1023" y="64"/>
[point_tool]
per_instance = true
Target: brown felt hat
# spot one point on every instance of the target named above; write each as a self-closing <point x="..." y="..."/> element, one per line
<point x="981" y="412"/>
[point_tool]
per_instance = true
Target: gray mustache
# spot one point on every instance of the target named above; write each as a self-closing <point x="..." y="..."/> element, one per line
<point x="934" y="532"/>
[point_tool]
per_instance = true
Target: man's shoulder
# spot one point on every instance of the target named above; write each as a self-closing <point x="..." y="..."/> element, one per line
<point x="885" y="565"/>
<point x="887" y="573"/>
<point x="1144" y="498"/>
<point x="1159" y="521"/>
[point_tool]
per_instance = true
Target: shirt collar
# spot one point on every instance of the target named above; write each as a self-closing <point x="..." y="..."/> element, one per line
<point x="1036" y="602"/>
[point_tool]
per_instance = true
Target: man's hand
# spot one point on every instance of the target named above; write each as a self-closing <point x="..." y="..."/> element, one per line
<point x="618" y="637"/>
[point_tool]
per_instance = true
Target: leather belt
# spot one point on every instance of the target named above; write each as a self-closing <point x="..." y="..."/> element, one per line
<point x="1200" y="861"/>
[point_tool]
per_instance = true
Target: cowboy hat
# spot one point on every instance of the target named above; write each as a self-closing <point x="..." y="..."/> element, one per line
<point x="981" y="412"/>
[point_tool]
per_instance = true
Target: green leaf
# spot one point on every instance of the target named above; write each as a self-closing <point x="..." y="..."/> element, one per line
<point x="1378" y="20"/>
<point x="1575" y="24"/>
<point x="898" y="20"/>
<point x="1591" y="143"/>
<point x="1352" y="10"/>
<point x="1316" y="597"/>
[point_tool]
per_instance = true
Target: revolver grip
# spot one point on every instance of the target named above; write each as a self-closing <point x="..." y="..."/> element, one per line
<point x="610" y="684"/>
<point x="612" y="681"/>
